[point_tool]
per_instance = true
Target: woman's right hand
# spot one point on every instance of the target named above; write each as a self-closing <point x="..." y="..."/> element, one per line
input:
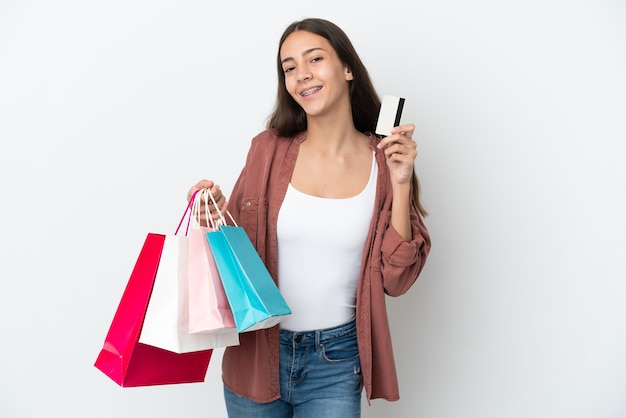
<point x="220" y="199"/>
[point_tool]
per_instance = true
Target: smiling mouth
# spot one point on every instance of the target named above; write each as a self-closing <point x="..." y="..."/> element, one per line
<point x="310" y="91"/>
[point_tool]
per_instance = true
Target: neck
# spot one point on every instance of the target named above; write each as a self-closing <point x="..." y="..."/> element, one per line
<point x="331" y="133"/>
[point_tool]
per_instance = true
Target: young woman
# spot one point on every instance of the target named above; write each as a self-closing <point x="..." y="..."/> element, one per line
<point x="334" y="213"/>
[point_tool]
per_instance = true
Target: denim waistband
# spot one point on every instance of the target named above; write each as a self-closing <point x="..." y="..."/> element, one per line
<point x="317" y="336"/>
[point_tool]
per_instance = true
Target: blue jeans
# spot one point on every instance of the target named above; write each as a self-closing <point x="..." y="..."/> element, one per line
<point x="320" y="377"/>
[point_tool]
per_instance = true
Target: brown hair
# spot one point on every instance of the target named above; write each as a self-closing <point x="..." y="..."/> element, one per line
<point x="288" y="118"/>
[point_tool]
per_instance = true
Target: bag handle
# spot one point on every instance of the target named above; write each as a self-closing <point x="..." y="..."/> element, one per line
<point x="222" y="219"/>
<point x="188" y="210"/>
<point x="207" y="214"/>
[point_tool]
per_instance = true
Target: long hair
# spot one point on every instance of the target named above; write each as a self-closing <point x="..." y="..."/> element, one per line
<point x="288" y="118"/>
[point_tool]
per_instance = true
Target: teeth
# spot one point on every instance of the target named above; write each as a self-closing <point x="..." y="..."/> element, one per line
<point x="310" y="91"/>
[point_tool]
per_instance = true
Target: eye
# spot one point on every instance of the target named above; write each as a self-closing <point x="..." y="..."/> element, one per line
<point x="288" y="69"/>
<point x="316" y="59"/>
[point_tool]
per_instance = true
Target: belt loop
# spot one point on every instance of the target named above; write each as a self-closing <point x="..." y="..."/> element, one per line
<point x="317" y="340"/>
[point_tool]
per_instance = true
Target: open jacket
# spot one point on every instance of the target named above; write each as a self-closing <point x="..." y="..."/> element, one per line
<point x="389" y="266"/>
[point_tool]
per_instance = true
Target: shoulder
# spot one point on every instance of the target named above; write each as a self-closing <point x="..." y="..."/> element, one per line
<point x="269" y="140"/>
<point x="266" y="147"/>
<point x="267" y="136"/>
<point x="262" y="143"/>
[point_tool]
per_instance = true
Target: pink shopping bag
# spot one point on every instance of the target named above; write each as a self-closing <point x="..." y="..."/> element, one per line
<point x="209" y="311"/>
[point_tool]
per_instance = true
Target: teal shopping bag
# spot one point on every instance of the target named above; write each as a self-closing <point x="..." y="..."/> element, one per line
<point x="252" y="294"/>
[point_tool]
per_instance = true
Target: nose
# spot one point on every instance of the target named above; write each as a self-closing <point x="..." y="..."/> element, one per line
<point x="304" y="74"/>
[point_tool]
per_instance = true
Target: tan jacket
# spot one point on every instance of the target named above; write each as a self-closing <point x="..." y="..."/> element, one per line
<point x="390" y="266"/>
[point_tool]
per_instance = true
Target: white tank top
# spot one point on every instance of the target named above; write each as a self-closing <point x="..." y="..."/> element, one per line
<point x="320" y="247"/>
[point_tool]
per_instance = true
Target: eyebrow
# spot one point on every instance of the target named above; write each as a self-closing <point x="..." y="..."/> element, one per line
<point x="308" y="51"/>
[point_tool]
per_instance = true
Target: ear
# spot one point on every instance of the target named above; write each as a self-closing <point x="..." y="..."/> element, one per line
<point x="348" y="74"/>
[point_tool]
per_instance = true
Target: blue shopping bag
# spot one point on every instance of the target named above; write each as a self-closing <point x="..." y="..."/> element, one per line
<point x="253" y="296"/>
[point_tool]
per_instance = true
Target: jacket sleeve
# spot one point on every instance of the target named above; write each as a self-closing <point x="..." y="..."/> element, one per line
<point x="402" y="261"/>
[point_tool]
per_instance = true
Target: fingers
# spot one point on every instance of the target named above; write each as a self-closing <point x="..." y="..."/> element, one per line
<point x="407" y="130"/>
<point x="399" y="134"/>
<point x="202" y="184"/>
<point x="209" y="206"/>
<point x="220" y="200"/>
<point x="401" y="154"/>
<point x="400" y="151"/>
<point x="205" y="184"/>
<point x="221" y="206"/>
<point x="399" y="145"/>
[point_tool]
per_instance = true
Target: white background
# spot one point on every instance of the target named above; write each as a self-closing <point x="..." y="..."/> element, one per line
<point x="111" y="110"/>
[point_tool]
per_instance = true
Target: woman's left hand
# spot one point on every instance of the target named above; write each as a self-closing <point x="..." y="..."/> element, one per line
<point x="401" y="151"/>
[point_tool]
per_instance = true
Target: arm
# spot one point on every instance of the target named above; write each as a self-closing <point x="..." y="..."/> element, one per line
<point x="400" y="151"/>
<point x="405" y="242"/>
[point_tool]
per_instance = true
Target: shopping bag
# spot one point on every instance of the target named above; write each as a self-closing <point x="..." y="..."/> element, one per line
<point x="209" y="311"/>
<point x="254" y="298"/>
<point x="127" y="361"/>
<point x="166" y="323"/>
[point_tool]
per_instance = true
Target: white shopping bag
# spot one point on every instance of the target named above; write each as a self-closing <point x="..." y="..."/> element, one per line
<point x="166" y="323"/>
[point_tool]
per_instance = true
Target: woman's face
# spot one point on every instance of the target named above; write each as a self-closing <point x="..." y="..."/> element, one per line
<point x="314" y="75"/>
